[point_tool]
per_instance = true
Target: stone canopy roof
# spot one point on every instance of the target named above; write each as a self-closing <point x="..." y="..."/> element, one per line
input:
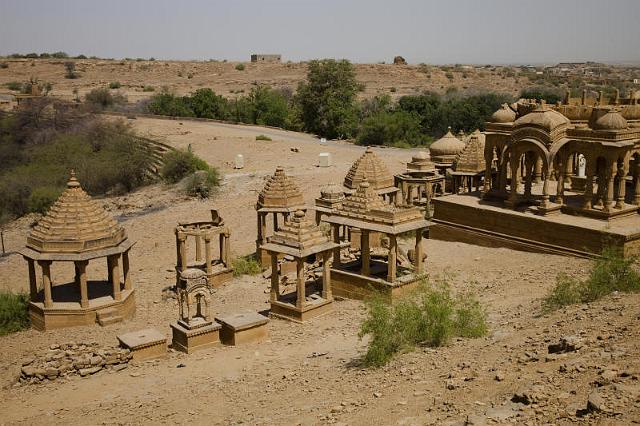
<point x="280" y="192"/>
<point x="299" y="237"/>
<point x="471" y="159"/>
<point x="373" y="167"/>
<point x="446" y="148"/>
<point x="75" y="224"/>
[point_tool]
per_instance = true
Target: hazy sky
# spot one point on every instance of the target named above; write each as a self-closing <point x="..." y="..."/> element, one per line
<point x="446" y="31"/>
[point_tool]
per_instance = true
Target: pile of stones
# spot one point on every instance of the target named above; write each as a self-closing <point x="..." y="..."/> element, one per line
<point x="73" y="359"/>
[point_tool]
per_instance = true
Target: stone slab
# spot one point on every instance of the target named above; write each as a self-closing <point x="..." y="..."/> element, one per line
<point x="191" y="340"/>
<point x="144" y="344"/>
<point x="243" y="328"/>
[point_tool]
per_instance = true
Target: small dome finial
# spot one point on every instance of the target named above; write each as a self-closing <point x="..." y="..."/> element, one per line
<point x="73" y="182"/>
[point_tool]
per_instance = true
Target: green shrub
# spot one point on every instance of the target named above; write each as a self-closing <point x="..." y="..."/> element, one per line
<point x="397" y="128"/>
<point x="240" y="67"/>
<point x="166" y="103"/>
<point x="102" y="98"/>
<point x="70" y="67"/>
<point x="179" y="164"/>
<point x="245" y="265"/>
<point x="13" y="85"/>
<point x="430" y="316"/>
<point x="4" y="65"/>
<point x="42" y="198"/>
<point x="449" y="76"/>
<point x="148" y="89"/>
<point x="13" y="312"/>
<point x="202" y="183"/>
<point x="263" y="138"/>
<point x="609" y="273"/>
<point x="114" y="85"/>
<point x="549" y="94"/>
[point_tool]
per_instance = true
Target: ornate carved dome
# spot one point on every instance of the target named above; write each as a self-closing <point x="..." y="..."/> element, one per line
<point x="445" y="149"/>
<point x="543" y="117"/>
<point x="333" y="192"/>
<point x="611" y="120"/>
<point x="471" y="159"/>
<point x="280" y="191"/>
<point x="75" y="223"/>
<point x="375" y="170"/>
<point x="504" y="115"/>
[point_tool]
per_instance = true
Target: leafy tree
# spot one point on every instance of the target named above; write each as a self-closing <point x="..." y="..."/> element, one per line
<point x="397" y="128"/>
<point x="327" y="98"/>
<point x="269" y="107"/>
<point x="206" y="104"/>
<point x="166" y="103"/>
<point x="426" y="107"/>
<point x="551" y="95"/>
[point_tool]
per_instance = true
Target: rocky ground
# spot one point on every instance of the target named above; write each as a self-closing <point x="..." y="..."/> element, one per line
<point x="577" y="365"/>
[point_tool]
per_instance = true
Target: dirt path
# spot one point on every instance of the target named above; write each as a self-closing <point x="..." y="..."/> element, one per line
<point x="281" y="381"/>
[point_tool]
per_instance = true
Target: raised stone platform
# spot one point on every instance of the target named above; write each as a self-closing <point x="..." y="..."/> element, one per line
<point x="243" y="328"/>
<point x="144" y="344"/>
<point x="348" y="283"/>
<point x="315" y="306"/>
<point x="68" y="313"/>
<point x="189" y="340"/>
<point x="469" y="219"/>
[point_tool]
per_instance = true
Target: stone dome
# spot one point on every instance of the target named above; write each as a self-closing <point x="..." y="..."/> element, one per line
<point x="280" y="191"/>
<point x="543" y="117"/>
<point x="611" y="120"/>
<point x="75" y="224"/>
<point x="504" y="115"/>
<point x="445" y="149"/>
<point x="333" y="191"/>
<point x="420" y="157"/>
<point x="371" y="166"/>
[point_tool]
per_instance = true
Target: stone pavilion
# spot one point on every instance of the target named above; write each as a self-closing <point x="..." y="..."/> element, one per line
<point x="420" y="183"/>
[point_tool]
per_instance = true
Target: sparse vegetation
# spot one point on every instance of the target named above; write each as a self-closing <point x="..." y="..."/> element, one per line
<point x="102" y="98"/>
<point x="148" y="89"/>
<point x="70" y="68"/>
<point x="13" y="312"/>
<point x="263" y="138"/>
<point x="114" y="85"/>
<point x="549" y="94"/>
<point x="13" y="85"/>
<point x="240" y="67"/>
<point x="430" y="316"/>
<point x="202" y="179"/>
<point x="610" y="273"/>
<point x="245" y="265"/>
<point x="4" y="65"/>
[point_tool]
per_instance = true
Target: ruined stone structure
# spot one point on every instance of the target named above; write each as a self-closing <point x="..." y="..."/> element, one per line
<point x="195" y="328"/>
<point x="377" y="173"/>
<point x="77" y="230"/>
<point x="469" y="165"/>
<point x="366" y="212"/>
<point x="205" y="233"/>
<point x="258" y="57"/>
<point x="280" y="197"/>
<point x="420" y="183"/>
<point x="562" y="179"/>
<point x="300" y="238"/>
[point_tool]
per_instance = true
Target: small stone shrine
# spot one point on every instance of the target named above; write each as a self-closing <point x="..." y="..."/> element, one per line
<point x="367" y="212"/>
<point x="195" y="328"/>
<point x="218" y="269"/>
<point x="377" y="173"/>
<point x="469" y="165"/>
<point x="280" y="197"/>
<point x="445" y="150"/>
<point x="300" y="238"/>
<point x="420" y="183"/>
<point x="77" y="230"/>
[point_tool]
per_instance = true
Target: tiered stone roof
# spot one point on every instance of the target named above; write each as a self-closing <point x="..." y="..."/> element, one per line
<point x="299" y="233"/>
<point x="74" y="224"/>
<point x="471" y="159"/>
<point x="280" y="191"/>
<point x="366" y="205"/>
<point x="371" y="166"/>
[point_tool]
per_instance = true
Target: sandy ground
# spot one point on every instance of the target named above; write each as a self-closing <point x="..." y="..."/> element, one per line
<point x="309" y="374"/>
<point x="223" y="78"/>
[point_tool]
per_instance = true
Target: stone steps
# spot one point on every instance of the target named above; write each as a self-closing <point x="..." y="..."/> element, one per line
<point x="108" y="316"/>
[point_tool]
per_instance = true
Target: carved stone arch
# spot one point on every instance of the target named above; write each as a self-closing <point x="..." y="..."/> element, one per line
<point x="530" y="144"/>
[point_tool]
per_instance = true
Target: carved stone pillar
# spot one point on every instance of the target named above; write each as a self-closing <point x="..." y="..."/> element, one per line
<point x="33" y="283"/>
<point x="275" y="278"/>
<point x="45" y="265"/>
<point x="622" y="190"/>
<point x="392" y="260"/>
<point x="610" y="176"/>
<point x="587" y="198"/>
<point x="113" y="263"/>
<point x="126" y="270"/>
<point x="327" y="292"/>
<point x="208" y="256"/>
<point x="365" y="253"/>
<point x="81" y="268"/>
<point x="300" y="293"/>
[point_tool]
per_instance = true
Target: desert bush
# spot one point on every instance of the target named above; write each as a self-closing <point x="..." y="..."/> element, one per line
<point x="549" y="94"/>
<point x="430" y="316"/>
<point x="114" y="85"/>
<point x="609" y="273"/>
<point x="70" y="68"/>
<point x="42" y="198"/>
<point x="166" y="103"/>
<point x="13" y="85"/>
<point x="245" y="265"/>
<point x="179" y="164"/>
<point x="202" y="183"/>
<point x="13" y="312"/>
<point x="4" y="65"/>
<point x="449" y="75"/>
<point x="60" y="55"/>
<point x="101" y="98"/>
<point x="240" y="67"/>
<point x="206" y="104"/>
<point x="263" y="138"/>
<point x="148" y="89"/>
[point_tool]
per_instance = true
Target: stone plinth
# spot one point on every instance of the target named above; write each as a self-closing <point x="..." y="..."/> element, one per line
<point x="189" y="340"/>
<point x="145" y="344"/>
<point x="313" y="308"/>
<point x="243" y="328"/>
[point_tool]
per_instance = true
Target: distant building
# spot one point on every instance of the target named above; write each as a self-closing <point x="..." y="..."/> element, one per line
<point x="265" y="58"/>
